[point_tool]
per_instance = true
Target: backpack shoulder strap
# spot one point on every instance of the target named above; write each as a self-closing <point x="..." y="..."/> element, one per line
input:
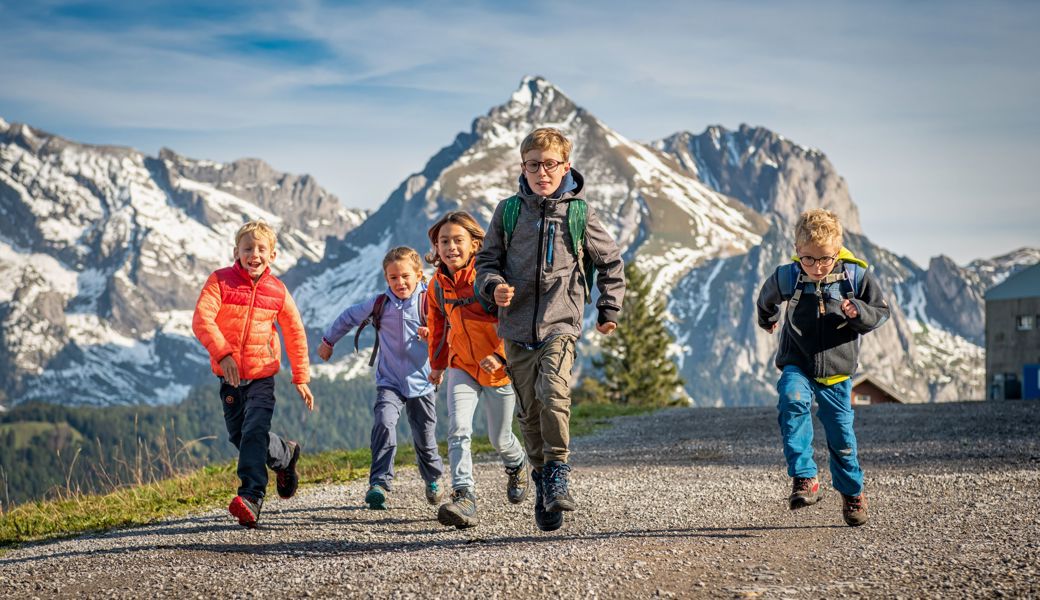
<point x="423" y="305"/>
<point x="510" y="215"/>
<point x="787" y="277"/>
<point x="853" y="279"/>
<point x="373" y="318"/>
<point x="577" y="220"/>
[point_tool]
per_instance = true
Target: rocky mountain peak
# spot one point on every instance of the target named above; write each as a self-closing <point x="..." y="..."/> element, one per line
<point x="765" y="171"/>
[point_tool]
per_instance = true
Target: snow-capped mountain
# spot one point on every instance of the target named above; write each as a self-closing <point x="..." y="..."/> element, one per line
<point x="103" y="251"/>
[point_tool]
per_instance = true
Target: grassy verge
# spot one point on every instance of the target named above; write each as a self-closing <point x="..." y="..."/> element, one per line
<point x="211" y="487"/>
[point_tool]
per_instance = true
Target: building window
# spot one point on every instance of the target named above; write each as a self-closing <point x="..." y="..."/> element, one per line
<point x="1025" y="322"/>
<point x="861" y="399"/>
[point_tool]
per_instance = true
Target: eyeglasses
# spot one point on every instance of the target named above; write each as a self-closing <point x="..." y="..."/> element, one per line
<point x="825" y="261"/>
<point x="550" y="165"/>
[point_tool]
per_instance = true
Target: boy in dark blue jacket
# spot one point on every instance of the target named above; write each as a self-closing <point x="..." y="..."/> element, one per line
<point x="832" y="299"/>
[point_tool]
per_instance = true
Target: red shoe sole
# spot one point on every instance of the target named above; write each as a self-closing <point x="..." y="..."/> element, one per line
<point x="240" y="511"/>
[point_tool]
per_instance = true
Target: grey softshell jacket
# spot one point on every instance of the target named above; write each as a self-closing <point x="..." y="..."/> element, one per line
<point x="829" y="344"/>
<point x="549" y="297"/>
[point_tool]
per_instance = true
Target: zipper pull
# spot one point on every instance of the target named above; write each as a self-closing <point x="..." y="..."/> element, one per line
<point x="819" y="296"/>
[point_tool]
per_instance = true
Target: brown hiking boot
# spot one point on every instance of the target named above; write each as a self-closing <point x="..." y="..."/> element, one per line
<point x="805" y="491"/>
<point x="854" y="509"/>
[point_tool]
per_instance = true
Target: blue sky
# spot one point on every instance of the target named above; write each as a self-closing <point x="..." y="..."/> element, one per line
<point x="928" y="109"/>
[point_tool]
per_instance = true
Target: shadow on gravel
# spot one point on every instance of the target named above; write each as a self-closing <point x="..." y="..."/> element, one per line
<point x="318" y="548"/>
<point x="950" y="437"/>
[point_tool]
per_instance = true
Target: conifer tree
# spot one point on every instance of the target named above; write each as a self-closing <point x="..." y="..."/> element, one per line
<point x="634" y="360"/>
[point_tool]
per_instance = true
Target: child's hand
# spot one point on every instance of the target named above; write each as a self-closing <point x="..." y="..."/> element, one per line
<point x="772" y="328"/>
<point x="490" y="364"/>
<point x="849" y="309"/>
<point x="305" y="393"/>
<point x="436" y="376"/>
<point x="325" y="351"/>
<point x="504" y="294"/>
<point x="230" y="370"/>
<point x="424" y="333"/>
<point x="606" y="328"/>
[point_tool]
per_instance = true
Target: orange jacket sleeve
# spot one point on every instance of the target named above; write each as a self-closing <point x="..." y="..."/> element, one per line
<point x="295" y="340"/>
<point x="204" y="321"/>
<point x="438" y="330"/>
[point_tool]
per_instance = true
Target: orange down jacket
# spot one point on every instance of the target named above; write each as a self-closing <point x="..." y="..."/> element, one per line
<point x="235" y="315"/>
<point x="471" y="332"/>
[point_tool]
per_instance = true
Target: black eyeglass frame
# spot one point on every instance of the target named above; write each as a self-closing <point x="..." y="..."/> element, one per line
<point x="825" y="261"/>
<point x="538" y="164"/>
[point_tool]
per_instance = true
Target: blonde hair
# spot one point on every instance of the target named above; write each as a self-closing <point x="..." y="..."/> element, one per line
<point x="404" y="253"/>
<point x="818" y="226"/>
<point x="464" y="220"/>
<point x="546" y="138"/>
<point x="257" y="229"/>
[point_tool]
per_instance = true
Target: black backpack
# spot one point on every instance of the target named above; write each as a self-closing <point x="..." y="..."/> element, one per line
<point x="377" y="314"/>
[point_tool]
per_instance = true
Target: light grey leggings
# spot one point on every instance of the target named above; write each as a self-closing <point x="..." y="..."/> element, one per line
<point x="463" y="393"/>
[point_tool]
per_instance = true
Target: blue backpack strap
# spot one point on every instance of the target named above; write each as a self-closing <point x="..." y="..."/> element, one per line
<point x="787" y="277"/>
<point x="853" y="279"/>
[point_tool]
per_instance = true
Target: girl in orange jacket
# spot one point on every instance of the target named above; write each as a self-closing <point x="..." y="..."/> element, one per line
<point x="234" y="319"/>
<point x="463" y="341"/>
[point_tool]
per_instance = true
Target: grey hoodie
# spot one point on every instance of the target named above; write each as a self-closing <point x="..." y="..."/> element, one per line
<point x="549" y="295"/>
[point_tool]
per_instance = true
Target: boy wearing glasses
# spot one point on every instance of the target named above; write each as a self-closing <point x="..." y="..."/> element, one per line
<point x="530" y="269"/>
<point x="832" y="299"/>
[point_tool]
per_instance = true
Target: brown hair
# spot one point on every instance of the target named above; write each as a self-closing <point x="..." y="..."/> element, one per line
<point x="458" y="217"/>
<point x="406" y="254"/>
<point x="546" y="138"/>
<point x="818" y="226"/>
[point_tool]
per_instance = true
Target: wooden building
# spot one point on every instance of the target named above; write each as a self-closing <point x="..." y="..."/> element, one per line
<point x="1013" y="337"/>
<point x="867" y="390"/>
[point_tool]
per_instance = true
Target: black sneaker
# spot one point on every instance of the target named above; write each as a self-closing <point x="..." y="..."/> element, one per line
<point x="246" y="510"/>
<point x="546" y="521"/>
<point x="286" y="479"/>
<point x="517" y="484"/>
<point x="805" y="491"/>
<point x="461" y="511"/>
<point x="557" y="487"/>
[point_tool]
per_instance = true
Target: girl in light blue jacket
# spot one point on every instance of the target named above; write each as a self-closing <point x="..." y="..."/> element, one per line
<point x="402" y="372"/>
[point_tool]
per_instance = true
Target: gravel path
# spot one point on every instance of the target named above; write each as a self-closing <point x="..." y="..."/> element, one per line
<point x="684" y="502"/>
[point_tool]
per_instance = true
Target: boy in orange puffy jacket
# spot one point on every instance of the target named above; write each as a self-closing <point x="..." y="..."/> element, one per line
<point x="234" y="319"/>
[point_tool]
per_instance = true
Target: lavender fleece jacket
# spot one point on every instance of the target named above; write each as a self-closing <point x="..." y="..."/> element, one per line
<point x="403" y="364"/>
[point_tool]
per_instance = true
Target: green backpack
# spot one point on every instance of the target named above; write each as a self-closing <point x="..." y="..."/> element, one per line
<point x="577" y="218"/>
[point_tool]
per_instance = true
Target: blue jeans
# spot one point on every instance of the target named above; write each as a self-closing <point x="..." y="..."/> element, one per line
<point x="463" y="393"/>
<point x="422" y="418"/>
<point x="835" y="412"/>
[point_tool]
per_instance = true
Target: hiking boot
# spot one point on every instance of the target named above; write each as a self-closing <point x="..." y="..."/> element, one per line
<point x="287" y="480"/>
<point x="246" y="510"/>
<point x="557" y="487"/>
<point x="376" y="497"/>
<point x="805" y="491"/>
<point x="517" y="484"/>
<point x="854" y="509"/>
<point x="434" y="493"/>
<point x="461" y="511"/>
<point x="546" y="521"/>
